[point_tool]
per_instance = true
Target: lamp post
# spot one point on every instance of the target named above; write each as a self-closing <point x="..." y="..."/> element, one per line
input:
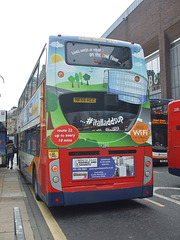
<point x="2" y="78"/>
<point x="3" y="82"/>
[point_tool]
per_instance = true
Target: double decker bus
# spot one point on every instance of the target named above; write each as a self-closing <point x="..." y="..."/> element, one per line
<point x="84" y="122"/>
<point x="174" y="138"/>
<point x="159" y="121"/>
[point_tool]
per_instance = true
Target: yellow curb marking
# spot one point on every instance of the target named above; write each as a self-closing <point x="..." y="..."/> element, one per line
<point x="52" y="224"/>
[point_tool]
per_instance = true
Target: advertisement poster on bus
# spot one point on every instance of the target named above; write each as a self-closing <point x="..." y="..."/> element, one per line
<point x="31" y="111"/>
<point x="104" y="94"/>
<point x="104" y="167"/>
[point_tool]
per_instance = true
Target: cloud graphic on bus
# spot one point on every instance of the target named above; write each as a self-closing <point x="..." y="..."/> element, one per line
<point x="139" y="54"/>
<point x="56" y="44"/>
<point x="138" y="64"/>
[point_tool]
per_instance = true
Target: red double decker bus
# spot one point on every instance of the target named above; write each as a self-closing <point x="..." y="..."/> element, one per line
<point x="84" y="123"/>
<point x="174" y="138"/>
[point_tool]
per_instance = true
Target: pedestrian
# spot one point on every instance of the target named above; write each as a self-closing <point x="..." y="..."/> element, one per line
<point x="10" y="153"/>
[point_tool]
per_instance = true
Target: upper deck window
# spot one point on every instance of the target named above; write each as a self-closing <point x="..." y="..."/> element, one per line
<point x="98" y="55"/>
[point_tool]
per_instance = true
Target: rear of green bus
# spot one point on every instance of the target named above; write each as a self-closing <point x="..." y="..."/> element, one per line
<point x="98" y="126"/>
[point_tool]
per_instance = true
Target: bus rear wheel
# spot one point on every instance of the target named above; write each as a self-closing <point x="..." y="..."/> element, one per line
<point x="35" y="185"/>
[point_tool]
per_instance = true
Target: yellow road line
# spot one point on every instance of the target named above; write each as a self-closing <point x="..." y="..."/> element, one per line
<point x="156" y="203"/>
<point x="52" y="224"/>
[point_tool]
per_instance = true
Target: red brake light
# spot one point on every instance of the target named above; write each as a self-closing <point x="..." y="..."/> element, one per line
<point x="148" y="164"/>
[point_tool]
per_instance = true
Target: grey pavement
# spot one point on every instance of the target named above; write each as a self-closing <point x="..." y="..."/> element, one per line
<point x="13" y="195"/>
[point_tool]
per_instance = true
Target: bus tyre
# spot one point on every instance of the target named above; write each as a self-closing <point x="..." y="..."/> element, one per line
<point x="35" y="185"/>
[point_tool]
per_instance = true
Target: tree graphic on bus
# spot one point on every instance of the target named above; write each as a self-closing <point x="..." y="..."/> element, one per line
<point x="79" y="77"/>
<point x="51" y="106"/>
<point x="86" y="78"/>
<point x="71" y="79"/>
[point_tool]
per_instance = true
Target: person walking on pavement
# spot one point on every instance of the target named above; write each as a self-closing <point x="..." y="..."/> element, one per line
<point x="10" y="153"/>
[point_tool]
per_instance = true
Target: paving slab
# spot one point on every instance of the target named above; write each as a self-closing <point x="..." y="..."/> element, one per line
<point x="12" y="195"/>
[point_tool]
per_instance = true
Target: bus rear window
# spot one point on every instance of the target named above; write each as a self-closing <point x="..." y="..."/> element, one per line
<point x="98" y="111"/>
<point x="98" y="55"/>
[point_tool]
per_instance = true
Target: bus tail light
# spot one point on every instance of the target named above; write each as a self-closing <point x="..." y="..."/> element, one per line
<point x="148" y="169"/>
<point x="54" y="171"/>
<point x="148" y="164"/>
<point x="55" y="168"/>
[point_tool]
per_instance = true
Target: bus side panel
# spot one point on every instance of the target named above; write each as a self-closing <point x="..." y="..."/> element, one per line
<point x="174" y="138"/>
<point x="43" y="167"/>
<point x="170" y="139"/>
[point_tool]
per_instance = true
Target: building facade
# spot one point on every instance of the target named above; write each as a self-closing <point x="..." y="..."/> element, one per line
<point x="155" y="25"/>
<point x="12" y="122"/>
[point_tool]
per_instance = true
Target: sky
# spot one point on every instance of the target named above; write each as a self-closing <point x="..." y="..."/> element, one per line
<point x="26" y="25"/>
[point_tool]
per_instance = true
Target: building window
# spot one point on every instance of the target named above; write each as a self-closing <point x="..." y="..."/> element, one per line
<point x="175" y="69"/>
<point x="153" y="71"/>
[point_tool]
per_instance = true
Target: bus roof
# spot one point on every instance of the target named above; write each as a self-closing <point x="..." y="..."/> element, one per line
<point x="159" y="101"/>
<point x="95" y="40"/>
